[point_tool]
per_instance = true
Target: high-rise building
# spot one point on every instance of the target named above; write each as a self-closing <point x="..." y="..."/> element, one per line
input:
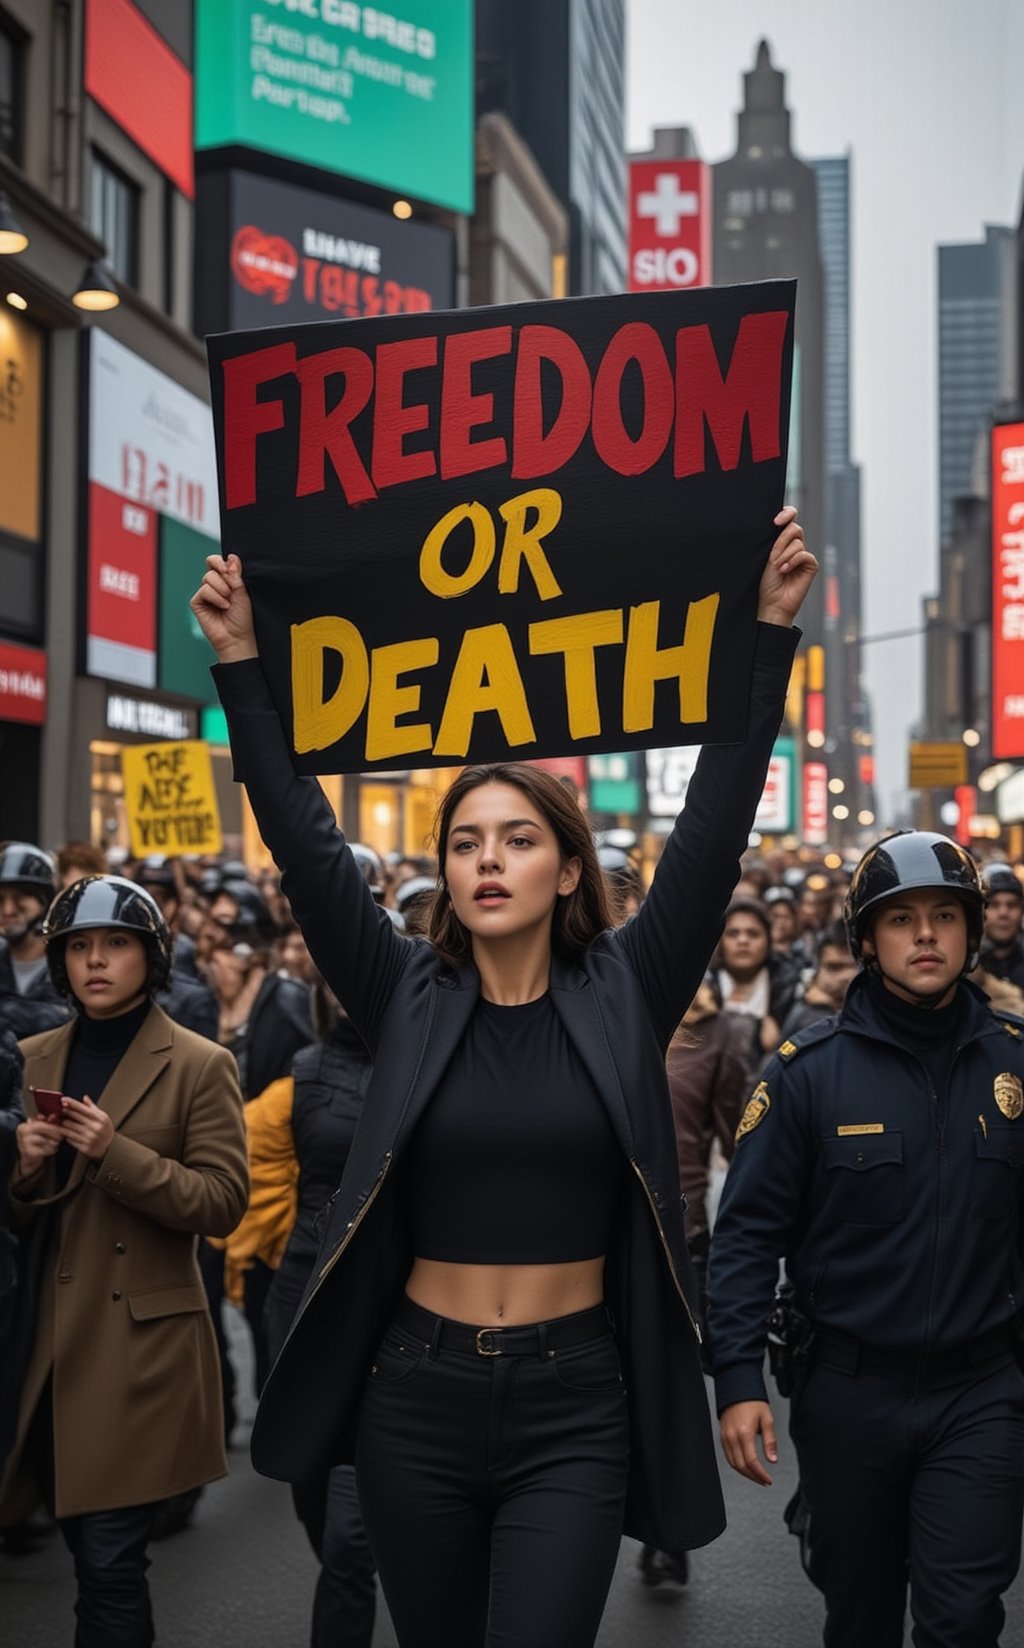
<point x="766" y="228"/>
<point x="556" y="68"/>
<point x="833" y="175"/>
<point x="977" y="359"/>
<point x="846" y="705"/>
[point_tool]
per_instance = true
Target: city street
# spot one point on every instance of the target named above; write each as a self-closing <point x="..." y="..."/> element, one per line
<point x="242" y="1577"/>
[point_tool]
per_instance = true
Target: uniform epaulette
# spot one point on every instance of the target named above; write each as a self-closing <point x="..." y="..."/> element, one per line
<point x="820" y="1030"/>
<point x="1013" y="1025"/>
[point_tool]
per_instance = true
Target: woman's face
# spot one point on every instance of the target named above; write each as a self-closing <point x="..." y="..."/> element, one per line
<point x="106" y="970"/>
<point x="503" y="864"/>
<point x="744" y="946"/>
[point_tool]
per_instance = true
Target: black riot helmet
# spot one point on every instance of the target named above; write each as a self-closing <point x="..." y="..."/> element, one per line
<point x="24" y="865"/>
<point x="253" y="924"/>
<point x="28" y="869"/>
<point x="107" y="901"/>
<point x="999" y="878"/>
<point x="914" y="859"/>
<point x="370" y="866"/>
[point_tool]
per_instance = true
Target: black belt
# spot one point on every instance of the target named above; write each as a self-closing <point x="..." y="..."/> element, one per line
<point x="534" y="1339"/>
<point x="842" y="1351"/>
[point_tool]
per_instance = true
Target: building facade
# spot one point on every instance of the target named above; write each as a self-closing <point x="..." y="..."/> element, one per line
<point x="556" y="69"/>
<point x="766" y="228"/>
<point x="977" y="354"/>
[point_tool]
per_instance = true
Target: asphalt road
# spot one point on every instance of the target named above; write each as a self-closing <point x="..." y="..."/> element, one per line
<point x="242" y="1577"/>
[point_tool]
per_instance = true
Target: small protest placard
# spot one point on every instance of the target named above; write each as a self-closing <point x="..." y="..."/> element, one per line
<point x="170" y="799"/>
<point x="512" y="532"/>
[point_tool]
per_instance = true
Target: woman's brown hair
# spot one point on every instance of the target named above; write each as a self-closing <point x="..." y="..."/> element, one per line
<point x="579" y="916"/>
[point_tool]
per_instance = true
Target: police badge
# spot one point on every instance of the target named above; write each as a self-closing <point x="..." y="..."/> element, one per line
<point x="756" y="1111"/>
<point x="1009" y="1095"/>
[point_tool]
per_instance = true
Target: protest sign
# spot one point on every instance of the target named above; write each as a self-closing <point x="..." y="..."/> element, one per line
<point x="170" y="799"/>
<point x="510" y="532"/>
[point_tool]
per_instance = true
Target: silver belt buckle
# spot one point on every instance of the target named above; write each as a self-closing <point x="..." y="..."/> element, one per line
<point x="488" y="1349"/>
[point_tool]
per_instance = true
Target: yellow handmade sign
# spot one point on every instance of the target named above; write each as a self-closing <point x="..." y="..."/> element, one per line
<point x="170" y="799"/>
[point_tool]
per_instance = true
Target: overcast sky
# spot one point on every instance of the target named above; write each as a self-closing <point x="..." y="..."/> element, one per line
<point x="926" y="95"/>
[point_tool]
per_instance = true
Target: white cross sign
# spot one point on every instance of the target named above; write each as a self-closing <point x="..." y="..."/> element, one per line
<point x="667" y="204"/>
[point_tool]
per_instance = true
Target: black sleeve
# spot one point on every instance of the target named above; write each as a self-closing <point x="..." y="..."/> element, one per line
<point x="670" y="940"/>
<point x="12" y="1112"/>
<point x="353" y="942"/>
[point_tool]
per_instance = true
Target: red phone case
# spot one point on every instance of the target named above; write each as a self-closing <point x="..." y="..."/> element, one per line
<point x="48" y="1103"/>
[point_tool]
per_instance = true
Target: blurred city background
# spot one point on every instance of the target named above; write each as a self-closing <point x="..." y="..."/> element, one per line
<point x="170" y="169"/>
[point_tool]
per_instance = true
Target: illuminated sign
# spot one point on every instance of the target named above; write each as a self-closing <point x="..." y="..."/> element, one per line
<point x="269" y="253"/>
<point x="815" y="820"/>
<point x="381" y="96"/>
<point x="1008" y="591"/>
<point x="669" y="225"/>
<point x="148" y="717"/>
<point x="151" y="456"/>
<point x="22" y="684"/>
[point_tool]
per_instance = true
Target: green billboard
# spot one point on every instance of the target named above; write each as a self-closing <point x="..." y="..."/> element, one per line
<point x="184" y="658"/>
<point x="386" y="98"/>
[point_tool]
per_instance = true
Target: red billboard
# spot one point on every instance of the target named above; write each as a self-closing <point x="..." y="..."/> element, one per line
<point x="22" y="684"/>
<point x="121" y="613"/>
<point x="815" y="819"/>
<point x="669" y="225"/>
<point x="1008" y="591"/>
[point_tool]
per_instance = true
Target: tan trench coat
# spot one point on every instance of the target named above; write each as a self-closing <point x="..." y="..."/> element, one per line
<point x="122" y="1315"/>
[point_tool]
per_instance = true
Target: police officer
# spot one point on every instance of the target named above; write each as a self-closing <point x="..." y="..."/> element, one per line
<point x="1002" y="950"/>
<point x="882" y="1157"/>
<point x="28" y="1000"/>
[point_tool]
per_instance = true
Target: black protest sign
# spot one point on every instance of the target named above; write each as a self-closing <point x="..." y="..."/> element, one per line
<point x="507" y="532"/>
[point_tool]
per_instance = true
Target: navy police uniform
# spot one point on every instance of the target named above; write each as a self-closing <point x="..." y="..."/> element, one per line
<point x="892" y="1186"/>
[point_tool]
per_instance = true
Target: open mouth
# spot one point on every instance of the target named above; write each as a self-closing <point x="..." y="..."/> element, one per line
<point x="490" y="895"/>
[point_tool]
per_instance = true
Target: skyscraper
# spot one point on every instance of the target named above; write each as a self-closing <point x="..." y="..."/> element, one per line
<point x="846" y="709"/>
<point x="977" y="357"/>
<point x="556" y="68"/>
<point x="765" y="228"/>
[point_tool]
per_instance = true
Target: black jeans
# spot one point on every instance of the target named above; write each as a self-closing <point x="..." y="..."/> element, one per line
<point x="109" y="1547"/>
<point x="492" y="1484"/>
<point x="345" y="1600"/>
<point x="112" y="1608"/>
<point x="912" y="1481"/>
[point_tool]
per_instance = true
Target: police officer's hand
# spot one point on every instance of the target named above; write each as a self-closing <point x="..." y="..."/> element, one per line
<point x="223" y="609"/>
<point x="87" y="1127"/>
<point x="740" y="1426"/>
<point x="788" y="574"/>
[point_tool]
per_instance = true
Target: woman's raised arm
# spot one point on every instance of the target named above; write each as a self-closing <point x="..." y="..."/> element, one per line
<point x="670" y="940"/>
<point x="351" y="939"/>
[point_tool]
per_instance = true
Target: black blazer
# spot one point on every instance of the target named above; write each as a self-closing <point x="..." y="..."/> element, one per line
<point x="620" y="1004"/>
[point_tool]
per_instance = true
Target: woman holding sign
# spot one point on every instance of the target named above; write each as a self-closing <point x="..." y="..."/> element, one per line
<point x="498" y="1330"/>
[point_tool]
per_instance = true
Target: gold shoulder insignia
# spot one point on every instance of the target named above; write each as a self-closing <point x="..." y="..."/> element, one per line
<point x="756" y="1111"/>
<point x="787" y="1049"/>
<point x="1011" y="1030"/>
<point x="1009" y="1095"/>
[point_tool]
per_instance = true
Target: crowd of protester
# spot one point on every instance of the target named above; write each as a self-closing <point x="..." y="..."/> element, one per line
<point x="241" y="976"/>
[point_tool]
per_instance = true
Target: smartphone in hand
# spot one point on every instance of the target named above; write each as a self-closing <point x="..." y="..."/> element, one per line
<point x="49" y="1105"/>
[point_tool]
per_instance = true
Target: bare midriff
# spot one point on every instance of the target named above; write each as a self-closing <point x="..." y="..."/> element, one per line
<point x="505" y="1295"/>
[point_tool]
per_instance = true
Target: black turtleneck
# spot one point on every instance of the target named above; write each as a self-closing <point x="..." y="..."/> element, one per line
<point x="932" y="1034"/>
<point x="96" y="1051"/>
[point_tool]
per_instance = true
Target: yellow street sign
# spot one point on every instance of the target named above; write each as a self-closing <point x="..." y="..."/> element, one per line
<point x="938" y="766"/>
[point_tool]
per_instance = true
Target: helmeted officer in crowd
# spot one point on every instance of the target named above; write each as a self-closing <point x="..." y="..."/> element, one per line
<point x="28" y="1001"/>
<point x="184" y="998"/>
<point x="1002" y="949"/>
<point x="882" y="1157"/>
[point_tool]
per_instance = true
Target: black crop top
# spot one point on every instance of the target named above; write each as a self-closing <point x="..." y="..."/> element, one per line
<point x="515" y="1160"/>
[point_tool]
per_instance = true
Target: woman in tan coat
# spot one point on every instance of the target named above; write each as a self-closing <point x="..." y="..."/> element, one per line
<point x="143" y="1149"/>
